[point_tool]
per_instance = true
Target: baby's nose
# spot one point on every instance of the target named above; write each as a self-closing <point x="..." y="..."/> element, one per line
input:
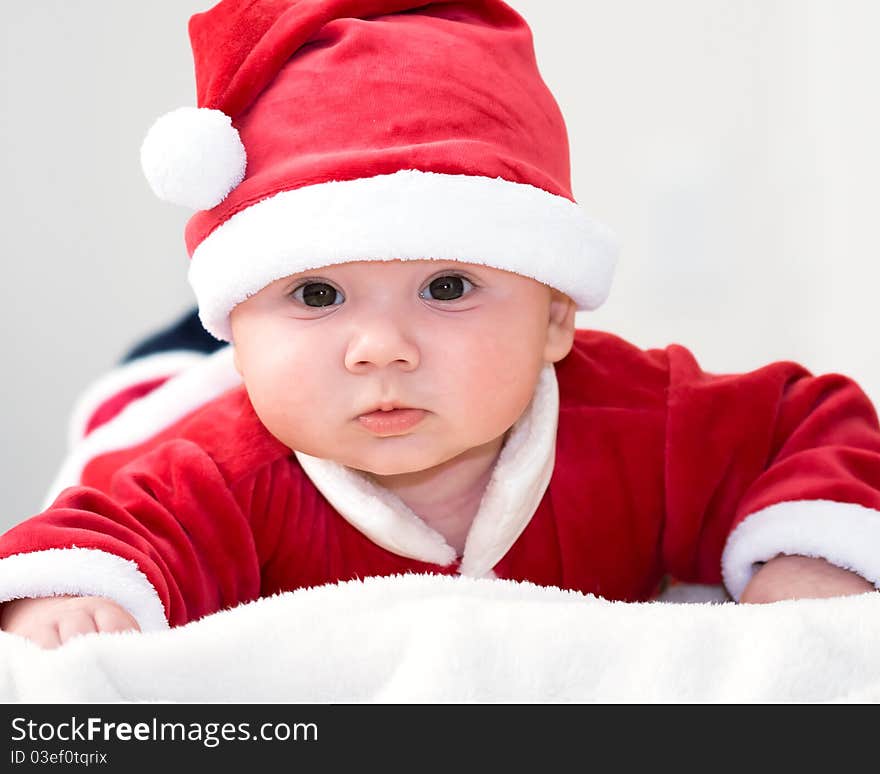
<point x="380" y="343"/>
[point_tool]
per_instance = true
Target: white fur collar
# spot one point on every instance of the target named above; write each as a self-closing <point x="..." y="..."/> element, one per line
<point x="518" y="483"/>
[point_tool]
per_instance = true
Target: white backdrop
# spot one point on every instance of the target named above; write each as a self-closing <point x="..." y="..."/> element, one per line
<point x="731" y="145"/>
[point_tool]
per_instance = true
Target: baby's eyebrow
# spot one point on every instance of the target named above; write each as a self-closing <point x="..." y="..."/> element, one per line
<point x="451" y="265"/>
<point x="316" y="273"/>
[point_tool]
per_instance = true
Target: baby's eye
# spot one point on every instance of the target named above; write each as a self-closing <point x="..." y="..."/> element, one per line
<point x="447" y="288"/>
<point x="318" y="294"/>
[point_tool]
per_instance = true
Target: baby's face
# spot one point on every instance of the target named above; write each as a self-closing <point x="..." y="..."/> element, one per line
<point x="323" y="352"/>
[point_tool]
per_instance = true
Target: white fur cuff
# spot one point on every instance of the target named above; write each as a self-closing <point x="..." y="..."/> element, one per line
<point x="83" y="572"/>
<point x="844" y="534"/>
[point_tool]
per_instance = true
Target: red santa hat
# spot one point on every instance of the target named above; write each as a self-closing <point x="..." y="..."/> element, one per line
<point x="330" y="131"/>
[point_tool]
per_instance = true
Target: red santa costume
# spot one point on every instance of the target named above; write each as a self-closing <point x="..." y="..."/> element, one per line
<point x="340" y="130"/>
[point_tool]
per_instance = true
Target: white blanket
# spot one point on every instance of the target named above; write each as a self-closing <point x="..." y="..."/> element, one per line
<point x="454" y="639"/>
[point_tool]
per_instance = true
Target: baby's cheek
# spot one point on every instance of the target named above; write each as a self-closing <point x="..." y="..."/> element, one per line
<point x="281" y="391"/>
<point x="289" y="417"/>
<point x="503" y="365"/>
<point x="494" y="402"/>
<point x="301" y="394"/>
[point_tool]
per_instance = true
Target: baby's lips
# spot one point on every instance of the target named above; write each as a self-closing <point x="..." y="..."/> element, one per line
<point x="394" y="422"/>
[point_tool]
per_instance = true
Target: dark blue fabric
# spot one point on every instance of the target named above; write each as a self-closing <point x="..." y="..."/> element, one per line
<point x="187" y="333"/>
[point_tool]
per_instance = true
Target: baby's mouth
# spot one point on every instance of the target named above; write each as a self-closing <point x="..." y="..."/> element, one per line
<point x="397" y="421"/>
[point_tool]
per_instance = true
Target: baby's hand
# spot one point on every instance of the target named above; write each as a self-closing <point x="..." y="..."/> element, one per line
<point x="52" y="621"/>
<point x="802" y="577"/>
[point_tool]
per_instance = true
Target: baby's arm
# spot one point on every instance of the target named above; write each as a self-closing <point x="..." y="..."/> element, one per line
<point x="170" y="542"/>
<point x="52" y="621"/>
<point x="775" y="470"/>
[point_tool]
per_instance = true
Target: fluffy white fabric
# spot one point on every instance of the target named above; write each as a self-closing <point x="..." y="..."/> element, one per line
<point x="456" y="639"/>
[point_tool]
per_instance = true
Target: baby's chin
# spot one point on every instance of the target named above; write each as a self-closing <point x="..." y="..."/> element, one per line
<point x="392" y="460"/>
<point x="383" y="465"/>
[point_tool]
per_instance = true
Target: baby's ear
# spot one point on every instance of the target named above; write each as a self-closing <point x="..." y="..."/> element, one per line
<point x="560" y="328"/>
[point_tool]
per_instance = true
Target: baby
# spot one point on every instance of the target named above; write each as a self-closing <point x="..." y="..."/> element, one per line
<point x="387" y="235"/>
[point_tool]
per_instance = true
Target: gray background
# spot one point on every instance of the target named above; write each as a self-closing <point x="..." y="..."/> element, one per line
<point x="731" y="146"/>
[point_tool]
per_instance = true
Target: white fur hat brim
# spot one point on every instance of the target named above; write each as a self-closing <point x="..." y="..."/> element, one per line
<point x="407" y="215"/>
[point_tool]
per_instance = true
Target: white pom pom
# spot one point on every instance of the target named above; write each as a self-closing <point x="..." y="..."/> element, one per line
<point x="193" y="156"/>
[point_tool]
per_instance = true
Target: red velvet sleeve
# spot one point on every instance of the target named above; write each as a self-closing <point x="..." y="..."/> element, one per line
<point x="772" y="461"/>
<point x="170" y="513"/>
